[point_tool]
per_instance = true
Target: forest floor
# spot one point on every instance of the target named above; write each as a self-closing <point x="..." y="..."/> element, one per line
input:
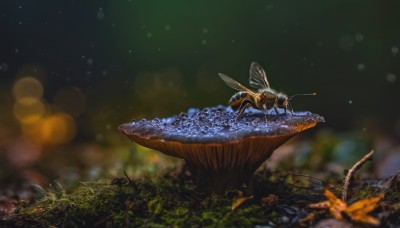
<point x="271" y="199"/>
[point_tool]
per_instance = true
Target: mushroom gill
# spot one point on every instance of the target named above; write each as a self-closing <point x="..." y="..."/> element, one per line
<point x="221" y="153"/>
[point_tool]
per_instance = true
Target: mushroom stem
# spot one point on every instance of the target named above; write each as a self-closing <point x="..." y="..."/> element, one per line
<point x="218" y="181"/>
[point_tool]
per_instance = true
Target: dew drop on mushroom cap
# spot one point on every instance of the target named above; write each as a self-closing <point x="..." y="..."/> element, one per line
<point x="221" y="153"/>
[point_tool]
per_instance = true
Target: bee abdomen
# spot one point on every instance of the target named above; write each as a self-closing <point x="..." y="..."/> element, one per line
<point x="237" y="99"/>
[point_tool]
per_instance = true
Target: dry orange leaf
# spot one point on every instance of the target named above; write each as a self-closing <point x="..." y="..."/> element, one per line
<point x="357" y="211"/>
<point x="336" y="205"/>
<point x="321" y="205"/>
<point x="239" y="201"/>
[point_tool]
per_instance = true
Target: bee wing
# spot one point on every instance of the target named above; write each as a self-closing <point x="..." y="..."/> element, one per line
<point x="258" y="77"/>
<point x="233" y="84"/>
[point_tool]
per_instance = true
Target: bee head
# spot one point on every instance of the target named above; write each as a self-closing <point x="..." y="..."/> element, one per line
<point x="282" y="100"/>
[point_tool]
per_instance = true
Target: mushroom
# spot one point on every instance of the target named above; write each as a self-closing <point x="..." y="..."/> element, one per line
<point x="221" y="152"/>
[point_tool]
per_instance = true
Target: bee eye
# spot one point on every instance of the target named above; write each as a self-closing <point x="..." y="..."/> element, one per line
<point x="281" y="100"/>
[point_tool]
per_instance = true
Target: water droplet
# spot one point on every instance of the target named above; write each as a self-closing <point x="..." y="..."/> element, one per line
<point x="255" y="121"/>
<point x="100" y="14"/>
<point x="346" y="42"/>
<point x="204" y="42"/>
<point x="89" y="61"/>
<point x="359" y="37"/>
<point x="167" y="27"/>
<point x="149" y="35"/>
<point x="205" y="30"/>
<point x="360" y="67"/>
<point x="192" y="111"/>
<point x="350" y="102"/>
<point x="270" y="6"/>
<point x="3" y="67"/>
<point x="99" y="137"/>
<point x="391" y="77"/>
<point x="394" y="50"/>
<point x="16" y="50"/>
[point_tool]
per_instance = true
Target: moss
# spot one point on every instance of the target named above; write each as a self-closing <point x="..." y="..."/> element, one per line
<point x="83" y="205"/>
<point x="368" y="191"/>
<point x="170" y="201"/>
<point x="175" y="217"/>
<point x="165" y="202"/>
<point x="392" y="196"/>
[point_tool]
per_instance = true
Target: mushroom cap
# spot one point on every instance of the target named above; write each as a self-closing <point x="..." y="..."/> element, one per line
<point x="212" y="139"/>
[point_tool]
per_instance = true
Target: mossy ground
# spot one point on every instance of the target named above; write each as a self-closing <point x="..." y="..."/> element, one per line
<point x="171" y="200"/>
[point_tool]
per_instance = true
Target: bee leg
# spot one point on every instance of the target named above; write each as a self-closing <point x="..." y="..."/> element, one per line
<point x="277" y="113"/>
<point x="291" y="110"/>
<point x="265" y="113"/>
<point x="245" y="103"/>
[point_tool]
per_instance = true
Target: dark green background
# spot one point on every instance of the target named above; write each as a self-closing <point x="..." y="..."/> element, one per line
<point x="343" y="50"/>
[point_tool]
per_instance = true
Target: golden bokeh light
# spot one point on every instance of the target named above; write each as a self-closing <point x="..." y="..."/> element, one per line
<point x="27" y="90"/>
<point x="29" y="112"/>
<point x="57" y="129"/>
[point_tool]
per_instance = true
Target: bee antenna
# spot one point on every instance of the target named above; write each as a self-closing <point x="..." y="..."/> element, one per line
<point x="302" y="94"/>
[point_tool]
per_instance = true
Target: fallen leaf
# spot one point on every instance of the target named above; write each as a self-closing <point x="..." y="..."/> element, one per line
<point x="357" y="212"/>
<point x="392" y="183"/>
<point x="269" y="200"/>
<point x="239" y="201"/>
<point x="320" y="205"/>
<point x="307" y="220"/>
<point x="336" y="205"/>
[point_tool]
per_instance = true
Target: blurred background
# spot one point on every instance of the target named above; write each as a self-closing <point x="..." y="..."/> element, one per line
<point x="72" y="71"/>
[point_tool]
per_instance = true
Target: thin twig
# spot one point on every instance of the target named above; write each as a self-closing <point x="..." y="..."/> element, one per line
<point x="127" y="177"/>
<point x="317" y="178"/>
<point x="355" y="167"/>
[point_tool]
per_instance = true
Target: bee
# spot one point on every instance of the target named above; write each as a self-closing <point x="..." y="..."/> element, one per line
<point x="264" y="99"/>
